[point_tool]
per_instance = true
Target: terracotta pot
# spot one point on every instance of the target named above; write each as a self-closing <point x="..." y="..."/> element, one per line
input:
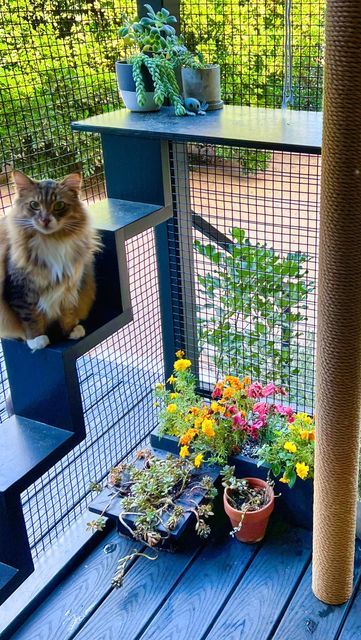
<point x="254" y="522"/>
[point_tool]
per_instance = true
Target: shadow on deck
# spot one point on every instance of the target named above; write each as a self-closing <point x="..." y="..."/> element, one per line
<point x="220" y="590"/>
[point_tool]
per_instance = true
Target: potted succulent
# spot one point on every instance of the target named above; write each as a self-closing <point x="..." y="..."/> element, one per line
<point x="248" y="502"/>
<point x="163" y="63"/>
<point x="148" y="79"/>
<point x="154" y="499"/>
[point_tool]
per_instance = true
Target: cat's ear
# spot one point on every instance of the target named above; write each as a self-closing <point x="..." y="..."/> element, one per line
<point x="72" y="181"/>
<point x="22" y="182"/>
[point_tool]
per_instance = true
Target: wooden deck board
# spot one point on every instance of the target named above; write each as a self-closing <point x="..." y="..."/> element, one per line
<point x="217" y="591"/>
<point x="126" y="611"/>
<point x="75" y="599"/>
<point x="260" y="598"/>
<point x="307" y="617"/>
<point x="193" y="606"/>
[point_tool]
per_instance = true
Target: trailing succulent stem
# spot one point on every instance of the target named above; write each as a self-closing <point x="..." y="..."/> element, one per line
<point x="164" y="80"/>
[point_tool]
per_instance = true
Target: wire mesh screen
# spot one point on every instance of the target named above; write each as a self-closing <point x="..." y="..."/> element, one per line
<point x="245" y="246"/>
<point x="248" y="40"/>
<point x="117" y="379"/>
<point x="57" y="65"/>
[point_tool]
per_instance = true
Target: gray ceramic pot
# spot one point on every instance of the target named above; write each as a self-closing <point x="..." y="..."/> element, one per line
<point x="127" y="90"/>
<point x="203" y="84"/>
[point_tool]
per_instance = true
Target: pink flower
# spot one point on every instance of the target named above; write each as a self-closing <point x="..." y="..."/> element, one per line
<point x="255" y="390"/>
<point x="239" y="421"/>
<point x="269" y="390"/>
<point x="281" y="391"/>
<point x="217" y="393"/>
<point x="262" y="408"/>
<point x="232" y="410"/>
<point x="284" y="411"/>
<point x="258" y="424"/>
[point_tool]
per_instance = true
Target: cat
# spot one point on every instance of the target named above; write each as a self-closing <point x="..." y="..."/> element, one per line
<point x="47" y="252"/>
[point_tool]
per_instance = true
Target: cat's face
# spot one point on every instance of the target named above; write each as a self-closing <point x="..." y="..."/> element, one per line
<point x="47" y="206"/>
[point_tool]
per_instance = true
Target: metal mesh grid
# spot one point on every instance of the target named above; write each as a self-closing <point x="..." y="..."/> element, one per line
<point x="117" y="379"/>
<point x="249" y="263"/>
<point x="57" y="65"/>
<point x="247" y="40"/>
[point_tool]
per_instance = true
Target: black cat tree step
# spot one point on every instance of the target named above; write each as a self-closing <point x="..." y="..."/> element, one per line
<point x="45" y="390"/>
<point x="27" y="449"/>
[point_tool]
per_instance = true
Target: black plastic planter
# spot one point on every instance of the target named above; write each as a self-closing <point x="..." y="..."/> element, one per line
<point x="295" y="504"/>
<point x="126" y="86"/>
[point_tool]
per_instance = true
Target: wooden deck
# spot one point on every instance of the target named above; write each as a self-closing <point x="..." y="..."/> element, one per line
<point x="219" y="590"/>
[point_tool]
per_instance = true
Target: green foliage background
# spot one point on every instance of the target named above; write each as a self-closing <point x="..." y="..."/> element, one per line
<point x="57" y="64"/>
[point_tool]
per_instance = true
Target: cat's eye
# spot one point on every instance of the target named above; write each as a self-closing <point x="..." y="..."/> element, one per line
<point x="35" y="206"/>
<point x="59" y="206"/>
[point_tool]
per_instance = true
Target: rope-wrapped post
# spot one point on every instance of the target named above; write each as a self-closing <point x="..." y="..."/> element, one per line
<point x="339" y="309"/>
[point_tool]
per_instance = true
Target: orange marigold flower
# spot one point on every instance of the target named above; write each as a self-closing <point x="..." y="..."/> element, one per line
<point x="304" y="434"/>
<point x="188" y="436"/>
<point x="311" y="435"/>
<point x="246" y="380"/>
<point x="194" y="411"/>
<point x="228" y="393"/>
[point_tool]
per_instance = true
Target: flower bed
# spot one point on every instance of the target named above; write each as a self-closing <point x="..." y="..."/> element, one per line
<point x="241" y="415"/>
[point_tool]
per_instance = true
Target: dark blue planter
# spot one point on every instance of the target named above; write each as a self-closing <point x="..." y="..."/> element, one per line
<point x="295" y="505"/>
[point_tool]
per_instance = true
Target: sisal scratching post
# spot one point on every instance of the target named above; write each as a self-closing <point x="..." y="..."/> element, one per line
<point x="339" y="309"/>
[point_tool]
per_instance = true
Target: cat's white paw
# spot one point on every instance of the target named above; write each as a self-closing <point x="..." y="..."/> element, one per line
<point x="78" y="332"/>
<point x="40" y="342"/>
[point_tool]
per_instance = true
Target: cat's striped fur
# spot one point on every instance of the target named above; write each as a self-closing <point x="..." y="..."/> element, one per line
<point x="47" y="247"/>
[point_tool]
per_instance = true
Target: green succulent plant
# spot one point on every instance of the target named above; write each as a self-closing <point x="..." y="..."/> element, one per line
<point x="161" y="50"/>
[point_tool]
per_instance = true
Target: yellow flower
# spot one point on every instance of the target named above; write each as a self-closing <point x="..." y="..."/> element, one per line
<point x="304" y="417"/>
<point x="159" y="386"/>
<point x="179" y="353"/>
<point x="198" y="460"/>
<point x="171" y="379"/>
<point x="182" y="364"/>
<point x="304" y="434"/>
<point x="173" y="395"/>
<point x="290" y="446"/>
<point x="207" y="428"/>
<point x="284" y="480"/>
<point x="172" y="408"/>
<point x="184" y="452"/>
<point x="302" y="470"/>
<point x="198" y="422"/>
<point x="246" y="380"/>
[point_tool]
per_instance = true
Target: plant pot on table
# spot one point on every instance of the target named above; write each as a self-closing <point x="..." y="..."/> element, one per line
<point x="127" y="88"/>
<point x="203" y="84"/>
<point x="253" y="523"/>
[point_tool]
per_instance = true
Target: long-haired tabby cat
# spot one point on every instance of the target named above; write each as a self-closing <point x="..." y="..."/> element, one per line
<point x="47" y="247"/>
